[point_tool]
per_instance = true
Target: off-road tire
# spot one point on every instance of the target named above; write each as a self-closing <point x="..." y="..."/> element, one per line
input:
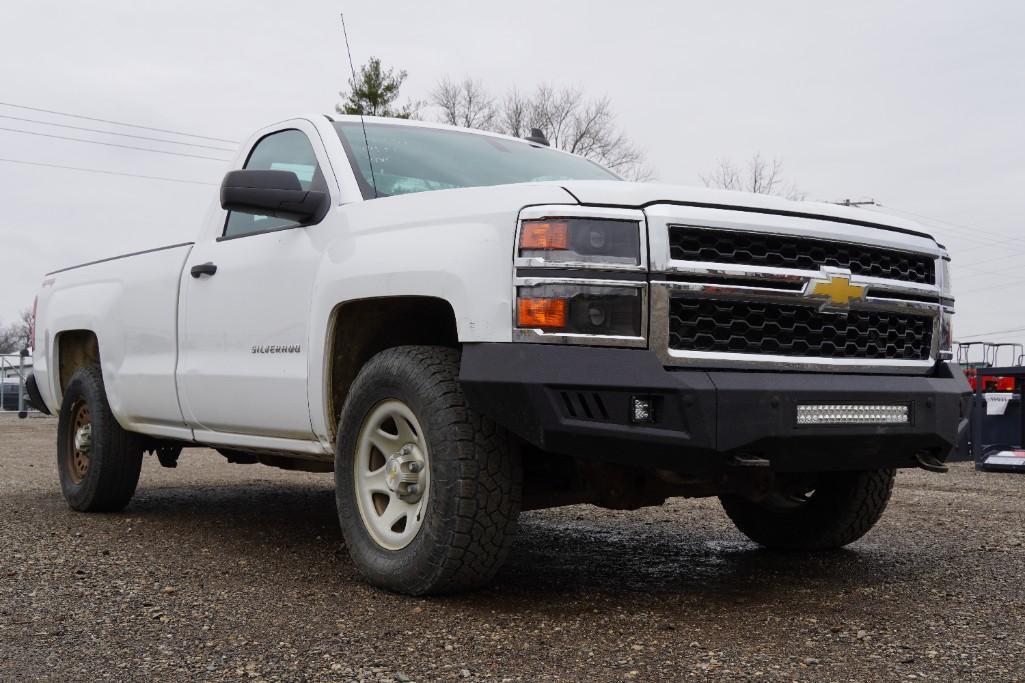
<point x="842" y="509"/>
<point x="115" y="458"/>
<point x="475" y="477"/>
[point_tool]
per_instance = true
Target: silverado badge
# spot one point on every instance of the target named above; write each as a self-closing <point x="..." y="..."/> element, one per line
<point x="277" y="348"/>
<point x="838" y="289"/>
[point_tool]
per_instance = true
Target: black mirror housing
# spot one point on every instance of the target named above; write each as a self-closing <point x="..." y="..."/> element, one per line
<point x="272" y="193"/>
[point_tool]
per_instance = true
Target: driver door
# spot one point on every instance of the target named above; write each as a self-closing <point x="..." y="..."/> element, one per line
<point x="244" y="329"/>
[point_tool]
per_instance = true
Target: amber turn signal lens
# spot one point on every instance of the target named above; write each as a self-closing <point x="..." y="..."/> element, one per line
<point x="544" y="235"/>
<point x="541" y="313"/>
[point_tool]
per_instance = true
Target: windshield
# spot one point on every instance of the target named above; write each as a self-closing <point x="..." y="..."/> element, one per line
<point x="413" y="159"/>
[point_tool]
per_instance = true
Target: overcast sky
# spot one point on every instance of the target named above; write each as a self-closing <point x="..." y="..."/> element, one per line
<point x="919" y="105"/>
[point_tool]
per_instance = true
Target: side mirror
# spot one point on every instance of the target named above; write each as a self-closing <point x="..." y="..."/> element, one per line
<point x="272" y="193"/>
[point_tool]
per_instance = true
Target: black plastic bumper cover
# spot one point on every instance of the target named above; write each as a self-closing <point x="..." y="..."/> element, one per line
<point x="576" y="401"/>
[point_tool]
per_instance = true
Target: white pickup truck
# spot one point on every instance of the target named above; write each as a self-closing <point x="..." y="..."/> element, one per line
<point x="464" y="325"/>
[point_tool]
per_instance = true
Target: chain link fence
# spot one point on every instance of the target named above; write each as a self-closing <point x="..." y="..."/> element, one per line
<point x="14" y="369"/>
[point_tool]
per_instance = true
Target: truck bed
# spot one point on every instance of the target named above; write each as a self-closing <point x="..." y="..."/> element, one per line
<point x="131" y="303"/>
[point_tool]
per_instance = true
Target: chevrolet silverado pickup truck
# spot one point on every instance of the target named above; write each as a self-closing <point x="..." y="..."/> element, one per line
<point x="463" y="325"/>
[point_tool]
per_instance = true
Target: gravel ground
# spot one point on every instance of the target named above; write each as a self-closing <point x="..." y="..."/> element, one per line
<point x="232" y="572"/>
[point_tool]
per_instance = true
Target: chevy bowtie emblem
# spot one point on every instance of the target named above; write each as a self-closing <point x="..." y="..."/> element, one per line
<point x="839" y="290"/>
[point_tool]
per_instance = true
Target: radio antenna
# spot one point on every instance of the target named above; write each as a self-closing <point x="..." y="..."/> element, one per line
<point x="362" y="123"/>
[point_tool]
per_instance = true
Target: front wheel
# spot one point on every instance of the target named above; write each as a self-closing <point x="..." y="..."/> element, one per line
<point x="813" y="512"/>
<point x="428" y="492"/>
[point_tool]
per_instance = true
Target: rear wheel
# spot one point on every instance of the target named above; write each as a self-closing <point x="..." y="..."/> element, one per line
<point x="428" y="492"/>
<point x="814" y="512"/>
<point x="98" y="461"/>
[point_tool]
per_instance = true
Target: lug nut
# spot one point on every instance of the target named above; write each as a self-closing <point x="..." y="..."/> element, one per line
<point x="412" y="489"/>
<point x="415" y="467"/>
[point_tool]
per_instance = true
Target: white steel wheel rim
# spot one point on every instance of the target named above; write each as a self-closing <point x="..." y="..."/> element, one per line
<point x="391" y="474"/>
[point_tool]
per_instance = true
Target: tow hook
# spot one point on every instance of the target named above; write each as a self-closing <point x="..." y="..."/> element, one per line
<point x="930" y="463"/>
<point x="749" y="461"/>
<point x="749" y="476"/>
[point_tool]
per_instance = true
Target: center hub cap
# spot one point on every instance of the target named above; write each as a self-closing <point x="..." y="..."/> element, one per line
<point x="403" y="472"/>
<point x="84" y="438"/>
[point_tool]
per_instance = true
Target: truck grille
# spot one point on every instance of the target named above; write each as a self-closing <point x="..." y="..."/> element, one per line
<point x="795" y="330"/>
<point x="803" y="253"/>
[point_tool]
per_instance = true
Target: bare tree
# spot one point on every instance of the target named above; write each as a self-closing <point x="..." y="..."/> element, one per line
<point x="761" y="176"/>
<point x="514" y="114"/>
<point x="569" y="120"/>
<point x="725" y="176"/>
<point x="467" y="103"/>
<point x="590" y="131"/>
<point x="15" y="337"/>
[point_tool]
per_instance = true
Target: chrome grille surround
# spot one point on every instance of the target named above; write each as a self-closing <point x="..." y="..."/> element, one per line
<point x="673" y="279"/>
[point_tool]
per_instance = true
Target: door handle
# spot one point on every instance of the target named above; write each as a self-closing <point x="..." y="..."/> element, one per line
<point x="203" y="269"/>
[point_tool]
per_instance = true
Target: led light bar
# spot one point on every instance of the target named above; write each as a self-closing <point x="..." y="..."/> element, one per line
<point x="852" y="413"/>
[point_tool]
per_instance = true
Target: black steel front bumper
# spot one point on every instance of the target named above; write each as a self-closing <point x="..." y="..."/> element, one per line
<point x="576" y="401"/>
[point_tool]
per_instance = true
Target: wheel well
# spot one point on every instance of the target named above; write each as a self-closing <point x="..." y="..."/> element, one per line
<point x="76" y="349"/>
<point x="362" y="328"/>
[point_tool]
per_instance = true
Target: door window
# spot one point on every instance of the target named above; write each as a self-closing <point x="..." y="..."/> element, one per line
<point x="288" y="150"/>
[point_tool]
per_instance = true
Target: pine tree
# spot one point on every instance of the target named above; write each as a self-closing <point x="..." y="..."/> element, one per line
<point x="374" y="93"/>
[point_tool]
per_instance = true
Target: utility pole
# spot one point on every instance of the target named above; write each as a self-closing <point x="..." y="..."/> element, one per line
<point x="22" y="412"/>
<point x="862" y="202"/>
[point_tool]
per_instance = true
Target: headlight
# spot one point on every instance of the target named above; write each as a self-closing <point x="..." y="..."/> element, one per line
<point x="945" y="284"/>
<point x="580" y="309"/>
<point x="581" y="240"/>
<point x="580" y="278"/>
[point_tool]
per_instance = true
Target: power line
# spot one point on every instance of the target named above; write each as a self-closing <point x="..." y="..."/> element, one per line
<point x="986" y="334"/>
<point x="932" y="219"/>
<point x="981" y="272"/>
<point x="984" y="244"/>
<point x="989" y="287"/>
<point x="117" y="123"/>
<point x="990" y="245"/>
<point x="958" y="232"/>
<point x="986" y="273"/>
<point x="97" y="170"/>
<point x="110" y="132"/>
<point x="973" y="265"/>
<point x="111" y="144"/>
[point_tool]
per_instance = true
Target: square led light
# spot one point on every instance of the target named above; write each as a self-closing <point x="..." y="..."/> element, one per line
<point x="642" y="410"/>
<point x="853" y="413"/>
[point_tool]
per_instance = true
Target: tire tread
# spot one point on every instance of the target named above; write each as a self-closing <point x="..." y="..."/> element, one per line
<point x="116" y="458"/>
<point x="476" y="536"/>
<point x="840" y="512"/>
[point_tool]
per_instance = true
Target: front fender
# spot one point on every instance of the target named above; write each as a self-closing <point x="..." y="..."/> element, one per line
<point x="454" y="245"/>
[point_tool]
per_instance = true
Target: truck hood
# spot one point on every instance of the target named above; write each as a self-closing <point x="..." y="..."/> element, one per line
<point x="629" y="194"/>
